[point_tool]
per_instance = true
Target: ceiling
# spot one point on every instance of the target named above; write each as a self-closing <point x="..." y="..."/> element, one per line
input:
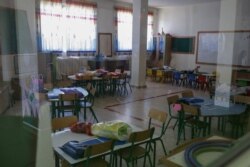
<point x="166" y="3"/>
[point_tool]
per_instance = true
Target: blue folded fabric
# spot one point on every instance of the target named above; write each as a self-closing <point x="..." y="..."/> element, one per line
<point x="191" y="100"/>
<point x="76" y="149"/>
<point x="72" y="90"/>
<point x="117" y="142"/>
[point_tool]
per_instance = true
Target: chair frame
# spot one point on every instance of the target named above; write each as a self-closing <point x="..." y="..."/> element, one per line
<point x="161" y="117"/>
<point x="94" y="154"/>
<point x="238" y="122"/>
<point x="73" y="106"/>
<point x="88" y="102"/>
<point x="194" y="122"/>
<point x="171" y="100"/>
<point x="135" y="139"/>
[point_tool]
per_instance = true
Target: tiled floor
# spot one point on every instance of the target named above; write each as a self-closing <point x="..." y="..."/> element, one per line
<point x="134" y="109"/>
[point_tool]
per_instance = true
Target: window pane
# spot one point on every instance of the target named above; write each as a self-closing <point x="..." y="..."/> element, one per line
<point x="68" y="27"/>
<point x="124" y="30"/>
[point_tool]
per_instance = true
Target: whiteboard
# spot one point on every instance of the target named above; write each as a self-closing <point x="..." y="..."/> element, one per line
<point x="224" y="48"/>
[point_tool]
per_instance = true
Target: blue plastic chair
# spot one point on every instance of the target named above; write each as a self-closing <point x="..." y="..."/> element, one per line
<point x="177" y="78"/>
<point x="191" y="80"/>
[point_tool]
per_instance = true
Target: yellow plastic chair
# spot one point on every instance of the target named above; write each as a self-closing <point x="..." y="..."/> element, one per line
<point x="149" y="72"/>
<point x="160" y="75"/>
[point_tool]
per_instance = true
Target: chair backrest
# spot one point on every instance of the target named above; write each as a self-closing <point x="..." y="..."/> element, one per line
<point x="159" y="73"/>
<point x="64" y="83"/>
<point x="242" y="99"/>
<point x="123" y="76"/>
<point x="159" y="116"/>
<point x="193" y="110"/>
<point x="177" y="75"/>
<point x="141" y="135"/>
<point x="69" y="102"/>
<point x="187" y="93"/>
<point x="98" y="150"/>
<point x="89" y="86"/>
<point x="64" y="76"/>
<point x="63" y="122"/>
<point x="91" y="97"/>
<point x="171" y="100"/>
<point x="149" y="72"/>
<point x="191" y="77"/>
<point x="68" y="97"/>
<point x="85" y="77"/>
<point x="202" y="78"/>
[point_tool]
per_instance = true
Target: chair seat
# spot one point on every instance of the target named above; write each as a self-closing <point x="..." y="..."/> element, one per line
<point x="97" y="162"/>
<point x="137" y="152"/>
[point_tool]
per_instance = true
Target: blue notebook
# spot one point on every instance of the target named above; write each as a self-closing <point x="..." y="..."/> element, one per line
<point x="76" y="149"/>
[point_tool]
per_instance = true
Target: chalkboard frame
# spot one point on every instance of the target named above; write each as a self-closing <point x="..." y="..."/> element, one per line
<point x="235" y="47"/>
<point x="177" y="49"/>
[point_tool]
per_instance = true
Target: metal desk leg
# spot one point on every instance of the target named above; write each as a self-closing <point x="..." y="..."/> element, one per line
<point x="84" y="110"/>
<point x="154" y="153"/>
<point x="53" y="109"/>
<point x="56" y="160"/>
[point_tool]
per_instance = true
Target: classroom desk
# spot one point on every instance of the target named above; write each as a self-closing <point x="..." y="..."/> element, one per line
<point x="101" y="82"/>
<point x="62" y="137"/>
<point x="209" y="109"/>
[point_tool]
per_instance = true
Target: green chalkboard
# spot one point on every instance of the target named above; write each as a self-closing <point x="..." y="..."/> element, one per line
<point x="183" y="44"/>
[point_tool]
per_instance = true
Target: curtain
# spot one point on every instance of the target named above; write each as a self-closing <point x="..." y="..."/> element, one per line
<point x="67" y="26"/>
<point x="150" y="44"/>
<point x="81" y="28"/>
<point x="51" y="22"/>
<point x="124" y="23"/>
<point x="124" y="30"/>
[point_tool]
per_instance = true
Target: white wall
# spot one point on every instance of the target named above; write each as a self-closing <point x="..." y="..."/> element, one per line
<point x="211" y="16"/>
<point x="105" y="16"/>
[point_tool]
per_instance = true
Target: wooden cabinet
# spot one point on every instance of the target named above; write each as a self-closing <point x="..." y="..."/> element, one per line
<point x="161" y="54"/>
<point x="241" y="77"/>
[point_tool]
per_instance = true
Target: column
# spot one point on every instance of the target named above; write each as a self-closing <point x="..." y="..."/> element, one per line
<point x="139" y="43"/>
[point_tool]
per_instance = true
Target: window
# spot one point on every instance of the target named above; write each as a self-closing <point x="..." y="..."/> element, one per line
<point x="124" y="30"/>
<point x="67" y="26"/>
